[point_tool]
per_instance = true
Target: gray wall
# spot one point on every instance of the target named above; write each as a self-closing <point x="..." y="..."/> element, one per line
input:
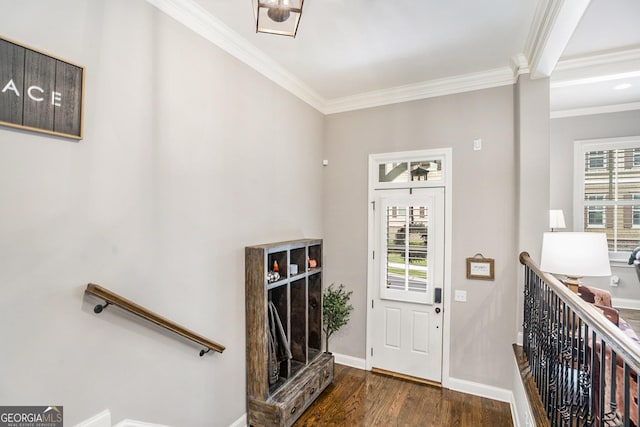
<point x="532" y="142"/>
<point x="188" y="156"/>
<point x="484" y="216"/>
<point x="564" y="132"/>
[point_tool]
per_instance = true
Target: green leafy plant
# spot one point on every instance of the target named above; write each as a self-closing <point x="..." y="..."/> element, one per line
<point x="335" y="310"/>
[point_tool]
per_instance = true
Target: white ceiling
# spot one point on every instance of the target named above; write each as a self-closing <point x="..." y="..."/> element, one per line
<point x="346" y="47"/>
<point x="351" y="53"/>
<point x="603" y="53"/>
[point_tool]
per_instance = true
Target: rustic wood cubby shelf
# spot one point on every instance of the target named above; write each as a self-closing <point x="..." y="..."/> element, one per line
<point x="286" y="368"/>
<point x="111" y="298"/>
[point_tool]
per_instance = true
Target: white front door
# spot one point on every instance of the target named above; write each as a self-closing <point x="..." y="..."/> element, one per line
<point x="407" y="316"/>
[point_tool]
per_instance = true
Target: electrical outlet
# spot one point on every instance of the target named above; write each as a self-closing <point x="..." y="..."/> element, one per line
<point x="461" y="296"/>
<point x="615" y="280"/>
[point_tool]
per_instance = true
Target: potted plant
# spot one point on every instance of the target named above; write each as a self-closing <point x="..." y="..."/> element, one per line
<point x="335" y="310"/>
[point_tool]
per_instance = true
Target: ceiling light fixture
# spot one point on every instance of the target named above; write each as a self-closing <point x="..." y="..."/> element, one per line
<point x="277" y="16"/>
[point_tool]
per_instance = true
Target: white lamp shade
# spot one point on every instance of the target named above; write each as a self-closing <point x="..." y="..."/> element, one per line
<point x="575" y="254"/>
<point x="556" y="219"/>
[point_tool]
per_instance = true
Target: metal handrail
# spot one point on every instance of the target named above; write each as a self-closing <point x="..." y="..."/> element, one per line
<point x="111" y="298"/>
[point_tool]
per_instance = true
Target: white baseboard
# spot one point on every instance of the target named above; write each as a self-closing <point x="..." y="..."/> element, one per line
<point x="515" y="418"/>
<point x="482" y="390"/>
<point x="632" y="304"/>
<point x="240" y="422"/>
<point x="521" y="413"/>
<point x="455" y="384"/>
<point x="354" y="362"/>
<point x="103" y="419"/>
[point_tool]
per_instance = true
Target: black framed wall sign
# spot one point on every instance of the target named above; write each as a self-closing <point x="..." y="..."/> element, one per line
<point x="40" y="92"/>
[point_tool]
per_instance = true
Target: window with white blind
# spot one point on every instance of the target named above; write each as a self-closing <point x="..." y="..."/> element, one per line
<point x="607" y="191"/>
<point x="635" y="211"/>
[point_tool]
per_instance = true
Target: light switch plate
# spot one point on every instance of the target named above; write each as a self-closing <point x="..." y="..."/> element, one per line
<point x="461" y="296"/>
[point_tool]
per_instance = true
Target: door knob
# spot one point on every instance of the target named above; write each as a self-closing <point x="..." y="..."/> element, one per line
<point x="437" y="310"/>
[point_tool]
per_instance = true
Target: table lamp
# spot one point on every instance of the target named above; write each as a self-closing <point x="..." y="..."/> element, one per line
<point x="556" y="219"/>
<point x="575" y="255"/>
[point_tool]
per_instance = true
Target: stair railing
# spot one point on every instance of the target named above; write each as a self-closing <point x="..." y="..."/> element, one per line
<point x="585" y="369"/>
<point x="111" y="298"/>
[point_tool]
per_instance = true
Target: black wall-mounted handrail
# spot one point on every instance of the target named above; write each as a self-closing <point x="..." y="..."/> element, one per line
<point x="112" y="298"/>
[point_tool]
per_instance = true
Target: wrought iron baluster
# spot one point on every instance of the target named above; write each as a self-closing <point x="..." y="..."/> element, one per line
<point x="603" y="369"/>
<point x="626" y="375"/>
<point x="583" y="368"/>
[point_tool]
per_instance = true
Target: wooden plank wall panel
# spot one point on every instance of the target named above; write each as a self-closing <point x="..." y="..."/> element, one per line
<point x="299" y="321"/>
<point x="67" y="117"/>
<point x="40" y="72"/>
<point x="11" y="68"/>
<point x="256" y="315"/>
<point x="40" y="92"/>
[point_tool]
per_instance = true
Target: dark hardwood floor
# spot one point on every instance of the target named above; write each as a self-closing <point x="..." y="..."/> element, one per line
<point x="362" y="398"/>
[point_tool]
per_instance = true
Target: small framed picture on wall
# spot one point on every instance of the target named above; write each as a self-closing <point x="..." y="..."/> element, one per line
<point x="480" y="268"/>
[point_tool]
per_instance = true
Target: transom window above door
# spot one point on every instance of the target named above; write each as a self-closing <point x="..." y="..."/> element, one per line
<point x="409" y="171"/>
<point x="421" y="170"/>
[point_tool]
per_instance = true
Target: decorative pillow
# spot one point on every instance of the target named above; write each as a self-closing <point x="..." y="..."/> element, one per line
<point x="595" y="295"/>
<point x="586" y="294"/>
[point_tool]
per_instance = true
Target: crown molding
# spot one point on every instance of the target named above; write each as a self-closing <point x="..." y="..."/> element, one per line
<point x="631" y="106"/>
<point x="535" y="30"/>
<point x="554" y="23"/>
<point x="603" y="59"/>
<point x="520" y="64"/>
<point x="199" y="20"/>
<point x="464" y="83"/>
<point x="577" y="81"/>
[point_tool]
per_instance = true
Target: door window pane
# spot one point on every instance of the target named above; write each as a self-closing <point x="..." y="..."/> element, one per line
<point x="417" y="170"/>
<point x="393" y="172"/>
<point x="407" y="237"/>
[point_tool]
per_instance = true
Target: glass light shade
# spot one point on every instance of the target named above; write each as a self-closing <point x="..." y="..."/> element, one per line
<point x="556" y="219"/>
<point x="277" y="16"/>
<point x="575" y="254"/>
